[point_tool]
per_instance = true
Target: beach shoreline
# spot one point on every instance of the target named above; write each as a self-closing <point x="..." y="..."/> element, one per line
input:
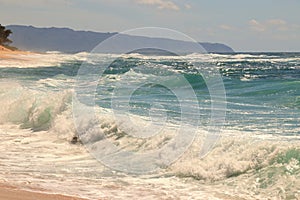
<point x="7" y="54"/>
<point x="8" y="192"/>
<point x="11" y="192"/>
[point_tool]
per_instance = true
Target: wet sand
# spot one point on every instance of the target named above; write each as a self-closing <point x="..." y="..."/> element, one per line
<point x="14" y="193"/>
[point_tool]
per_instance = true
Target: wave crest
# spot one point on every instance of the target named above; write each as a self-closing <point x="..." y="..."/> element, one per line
<point x="32" y="109"/>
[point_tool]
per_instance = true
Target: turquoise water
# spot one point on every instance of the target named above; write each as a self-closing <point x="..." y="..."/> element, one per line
<point x="262" y="89"/>
<point x="38" y="123"/>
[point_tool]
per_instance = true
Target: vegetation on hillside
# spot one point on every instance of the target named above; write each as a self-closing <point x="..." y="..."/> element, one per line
<point x="4" y="34"/>
<point x="4" y="40"/>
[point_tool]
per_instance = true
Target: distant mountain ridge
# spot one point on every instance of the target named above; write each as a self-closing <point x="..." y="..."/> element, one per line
<point x="70" y="41"/>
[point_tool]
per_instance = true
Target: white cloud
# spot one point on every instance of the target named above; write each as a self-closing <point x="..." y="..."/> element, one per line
<point x="226" y="27"/>
<point x="187" y="6"/>
<point x="276" y="22"/>
<point x="160" y="4"/>
<point x="257" y="26"/>
<point x="270" y="25"/>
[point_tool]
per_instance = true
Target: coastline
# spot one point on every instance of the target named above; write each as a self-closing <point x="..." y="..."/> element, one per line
<point x="8" y="192"/>
<point x="6" y="53"/>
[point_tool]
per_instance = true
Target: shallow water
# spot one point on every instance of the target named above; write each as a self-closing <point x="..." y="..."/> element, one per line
<point x="140" y="103"/>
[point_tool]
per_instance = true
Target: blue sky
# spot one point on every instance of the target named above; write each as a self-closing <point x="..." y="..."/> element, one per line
<point x="257" y="25"/>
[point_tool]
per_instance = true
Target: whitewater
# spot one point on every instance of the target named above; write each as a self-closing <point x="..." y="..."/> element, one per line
<point x="140" y="104"/>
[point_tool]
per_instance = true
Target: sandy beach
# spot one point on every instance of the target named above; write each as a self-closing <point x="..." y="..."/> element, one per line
<point x="6" y="53"/>
<point x="13" y="193"/>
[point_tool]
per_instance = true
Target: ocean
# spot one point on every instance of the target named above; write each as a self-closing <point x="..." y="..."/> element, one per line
<point x="120" y="126"/>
